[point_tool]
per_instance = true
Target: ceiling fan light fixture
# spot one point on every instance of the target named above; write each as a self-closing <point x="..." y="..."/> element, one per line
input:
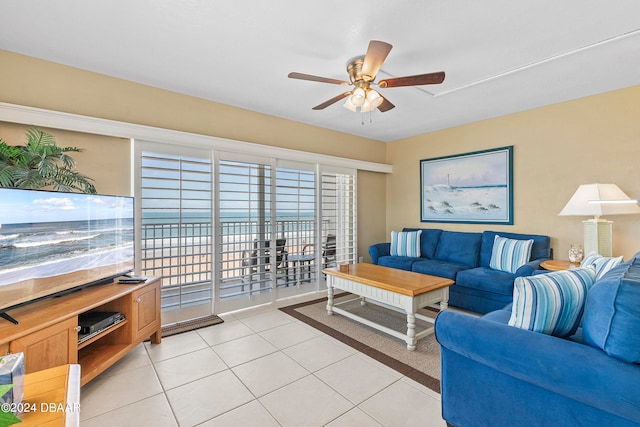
<point x="366" y="107"/>
<point x="349" y="105"/>
<point x="357" y="97"/>
<point x="374" y="99"/>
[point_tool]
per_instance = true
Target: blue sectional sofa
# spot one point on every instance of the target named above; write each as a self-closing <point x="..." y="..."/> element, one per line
<point x="465" y="257"/>
<point x="493" y="374"/>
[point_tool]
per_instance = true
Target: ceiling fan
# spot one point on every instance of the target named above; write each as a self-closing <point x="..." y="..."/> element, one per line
<point x="362" y="72"/>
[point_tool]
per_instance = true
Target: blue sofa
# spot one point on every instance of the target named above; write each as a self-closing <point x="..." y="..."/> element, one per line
<point x="464" y="257"/>
<point x="493" y="374"/>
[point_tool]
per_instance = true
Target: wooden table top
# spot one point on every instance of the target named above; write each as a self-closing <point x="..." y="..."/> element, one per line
<point x="52" y="397"/>
<point x="558" y="264"/>
<point x="391" y="279"/>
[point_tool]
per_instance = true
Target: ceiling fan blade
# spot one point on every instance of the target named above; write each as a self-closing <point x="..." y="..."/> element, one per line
<point x="333" y="100"/>
<point x="376" y="54"/>
<point x="386" y="105"/>
<point x="420" y="79"/>
<point x="302" y="76"/>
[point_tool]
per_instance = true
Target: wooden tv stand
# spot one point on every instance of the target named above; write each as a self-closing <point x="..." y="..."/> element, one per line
<point x="48" y="330"/>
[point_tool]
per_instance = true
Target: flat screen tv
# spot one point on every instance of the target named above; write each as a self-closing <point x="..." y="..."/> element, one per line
<point x="53" y="242"/>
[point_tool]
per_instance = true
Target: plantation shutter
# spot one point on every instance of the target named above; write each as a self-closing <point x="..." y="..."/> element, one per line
<point x="245" y="229"/>
<point x="176" y="228"/>
<point x="339" y="217"/>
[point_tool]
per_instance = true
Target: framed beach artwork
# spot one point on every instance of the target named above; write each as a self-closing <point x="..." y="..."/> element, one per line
<point x="473" y="187"/>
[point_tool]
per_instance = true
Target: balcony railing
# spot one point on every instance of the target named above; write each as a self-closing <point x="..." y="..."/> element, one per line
<point x="183" y="255"/>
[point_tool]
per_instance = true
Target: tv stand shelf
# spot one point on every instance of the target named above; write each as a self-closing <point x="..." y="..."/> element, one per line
<point x="48" y="330"/>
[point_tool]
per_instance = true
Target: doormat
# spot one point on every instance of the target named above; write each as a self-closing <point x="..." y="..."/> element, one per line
<point x="190" y="325"/>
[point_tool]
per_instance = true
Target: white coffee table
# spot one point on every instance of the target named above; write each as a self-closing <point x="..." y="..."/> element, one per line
<point x="392" y="288"/>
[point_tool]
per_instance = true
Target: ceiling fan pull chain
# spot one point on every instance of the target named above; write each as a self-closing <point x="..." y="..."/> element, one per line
<point x="362" y="117"/>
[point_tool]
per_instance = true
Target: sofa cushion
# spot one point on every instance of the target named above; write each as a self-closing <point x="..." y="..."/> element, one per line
<point x="551" y="303"/>
<point x="459" y="247"/>
<point x="405" y="243"/>
<point x="510" y="254"/>
<point x="611" y="317"/>
<point x="428" y="240"/>
<point x="439" y="268"/>
<point x="487" y="279"/>
<point x="399" y="262"/>
<point x="477" y="300"/>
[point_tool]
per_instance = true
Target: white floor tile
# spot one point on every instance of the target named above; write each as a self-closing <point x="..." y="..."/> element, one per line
<point x="244" y="349"/>
<point x="250" y="415"/>
<point x="269" y="373"/>
<point x="180" y="370"/>
<point x="402" y="405"/>
<point x="106" y="393"/>
<point x="290" y="334"/>
<point x="175" y="345"/>
<point x="227" y="331"/>
<point x="317" y="353"/>
<point x="306" y="402"/>
<point x="353" y="418"/>
<point x="356" y="379"/>
<point x="153" y="411"/>
<point x="287" y="374"/>
<point x="268" y="320"/>
<point x="206" y="398"/>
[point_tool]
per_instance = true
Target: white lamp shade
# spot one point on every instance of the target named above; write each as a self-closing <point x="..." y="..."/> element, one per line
<point x="374" y="98"/>
<point x="366" y="107"/>
<point x="599" y="200"/>
<point x="349" y="105"/>
<point x="357" y="98"/>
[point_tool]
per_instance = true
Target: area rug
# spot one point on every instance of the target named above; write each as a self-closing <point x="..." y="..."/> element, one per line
<point x="421" y="365"/>
<point x="190" y="325"/>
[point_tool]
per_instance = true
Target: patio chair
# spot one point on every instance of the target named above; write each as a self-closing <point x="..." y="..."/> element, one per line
<point x="255" y="262"/>
<point x="328" y="249"/>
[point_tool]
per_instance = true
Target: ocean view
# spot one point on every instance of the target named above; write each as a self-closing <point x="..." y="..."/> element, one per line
<point x="38" y="250"/>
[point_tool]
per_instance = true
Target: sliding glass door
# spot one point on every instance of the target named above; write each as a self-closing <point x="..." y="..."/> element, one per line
<point x="266" y="230"/>
<point x="296" y="222"/>
<point x="245" y="236"/>
<point x="339" y="216"/>
<point x="228" y="231"/>
<point x="175" y="233"/>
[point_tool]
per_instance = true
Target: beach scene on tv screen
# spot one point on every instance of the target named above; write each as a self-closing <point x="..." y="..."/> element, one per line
<point x="48" y="234"/>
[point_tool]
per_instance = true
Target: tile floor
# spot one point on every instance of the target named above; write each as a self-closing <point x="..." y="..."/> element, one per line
<point x="260" y="367"/>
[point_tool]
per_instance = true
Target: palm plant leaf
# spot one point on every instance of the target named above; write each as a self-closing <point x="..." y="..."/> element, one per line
<point x="41" y="163"/>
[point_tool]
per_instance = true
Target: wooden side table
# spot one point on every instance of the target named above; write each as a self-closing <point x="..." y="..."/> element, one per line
<point x="52" y="397"/>
<point x="558" y="264"/>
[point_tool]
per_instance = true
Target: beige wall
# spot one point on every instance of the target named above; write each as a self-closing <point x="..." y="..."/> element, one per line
<point x="37" y="83"/>
<point x="556" y="148"/>
<point x="104" y="159"/>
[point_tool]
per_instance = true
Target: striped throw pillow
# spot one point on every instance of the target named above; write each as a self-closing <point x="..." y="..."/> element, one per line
<point x="600" y="263"/>
<point x="405" y="243"/>
<point x="551" y="303"/>
<point x="509" y="254"/>
<point x="590" y="258"/>
<point x="604" y="264"/>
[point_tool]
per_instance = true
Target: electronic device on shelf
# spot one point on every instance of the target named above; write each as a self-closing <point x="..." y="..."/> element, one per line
<point x="94" y="322"/>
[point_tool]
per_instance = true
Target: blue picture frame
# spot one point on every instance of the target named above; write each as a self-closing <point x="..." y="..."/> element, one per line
<point x="470" y="188"/>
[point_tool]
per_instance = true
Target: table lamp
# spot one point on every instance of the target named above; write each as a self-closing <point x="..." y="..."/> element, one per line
<point x="598" y="200"/>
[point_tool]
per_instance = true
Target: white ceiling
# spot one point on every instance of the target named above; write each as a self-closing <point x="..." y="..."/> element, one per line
<point x="500" y="56"/>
